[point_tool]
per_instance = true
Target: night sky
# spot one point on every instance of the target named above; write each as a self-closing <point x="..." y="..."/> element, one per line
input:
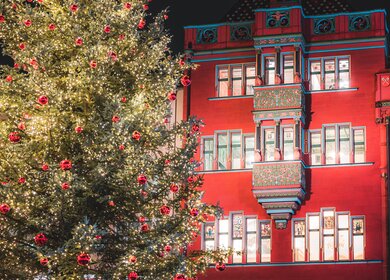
<point x="186" y="12"/>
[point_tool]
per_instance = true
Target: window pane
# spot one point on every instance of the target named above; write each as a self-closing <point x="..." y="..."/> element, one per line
<point x="299" y="249"/>
<point x="314" y="222"/>
<point x="358" y="145"/>
<point x="343" y="221"/>
<point x="265" y="230"/>
<point x="315" y="148"/>
<point x="288" y="143"/>
<point x="330" y="145"/>
<point x="288" y="69"/>
<point x="209" y="244"/>
<point x="209" y="231"/>
<point x="330" y="74"/>
<point x="328" y="248"/>
<point x="237" y="80"/>
<point x="344" y="144"/>
<point x="251" y="225"/>
<point x="237" y="249"/>
<point x="249" y="151"/>
<point x="236" y="150"/>
<point x="358" y="247"/>
<point x="223" y="241"/>
<point x="328" y="222"/>
<point x="208" y="153"/>
<point x="223" y="82"/>
<point x="251" y="247"/>
<point x="315" y="75"/>
<point x="270" y="70"/>
<point x="223" y="226"/>
<point x="222" y="151"/>
<point x="250" y="79"/>
<point x="269" y="145"/>
<point x="314" y="246"/>
<point x="237" y="226"/>
<point x="266" y="250"/>
<point x="344" y="73"/>
<point x="343" y="244"/>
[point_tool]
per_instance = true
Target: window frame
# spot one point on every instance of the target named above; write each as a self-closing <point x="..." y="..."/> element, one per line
<point x="263" y="141"/>
<point x="244" y="137"/>
<point x="230" y="78"/>
<point x="203" y="150"/>
<point x="282" y="66"/>
<point x="282" y="140"/>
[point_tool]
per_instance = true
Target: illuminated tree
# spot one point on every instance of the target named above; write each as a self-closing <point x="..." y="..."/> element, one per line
<point x="93" y="181"/>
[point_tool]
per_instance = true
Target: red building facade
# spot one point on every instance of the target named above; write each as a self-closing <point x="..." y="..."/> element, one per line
<point x="295" y="100"/>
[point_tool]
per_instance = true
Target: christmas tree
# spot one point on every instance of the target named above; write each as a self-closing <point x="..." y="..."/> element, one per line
<point x="94" y="183"/>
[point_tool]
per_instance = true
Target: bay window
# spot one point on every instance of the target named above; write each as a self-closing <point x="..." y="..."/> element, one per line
<point x="288" y="143"/>
<point x="288" y="69"/>
<point x="269" y="144"/>
<point x="270" y="68"/>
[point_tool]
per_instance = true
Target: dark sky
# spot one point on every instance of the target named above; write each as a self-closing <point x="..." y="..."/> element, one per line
<point x="187" y="12"/>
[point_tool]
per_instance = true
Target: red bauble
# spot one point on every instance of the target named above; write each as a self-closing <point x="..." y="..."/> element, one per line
<point x="194" y="212"/>
<point x="2" y="19"/>
<point x="111" y="203"/>
<point x="123" y="99"/>
<point x="107" y="29"/>
<point x="79" y="41"/>
<point x="165" y="17"/>
<point x="121" y="37"/>
<point x="167" y="162"/>
<point x="142" y="23"/>
<point x="141" y="219"/>
<point x="78" y="129"/>
<point x="172" y="96"/>
<point x="66" y="164"/>
<point x="121" y="147"/>
<point x="191" y="179"/>
<point x="43" y="100"/>
<point x="165" y="210"/>
<point x="142" y="180"/>
<point x="127" y="5"/>
<point x="34" y="63"/>
<point x="133" y="259"/>
<point x="45" y="167"/>
<point x="116" y="119"/>
<point x="93" y="64"/>
<point x="220" y="266"/>
<point x="4" y="208"/>
<point x="179" y="277"/>
<point x="136" y="135"/>
<point x="65" y="186"/>
<point x="22" y="126"/>
<point x="185" y="81"/>
<point x="167" y="248"/>
<point x="40" y="239"/>
<point x="27" y="23"/>
<point x="174" y="188"/>
<point x="195" y="128"/>
<point x="132" y="276"/>
<point x="22" y="46"/>
<point x="145" y="228"/>
<point x="145" y="7"/>
<point x="14" y="137"/>
<point x="22" y="180"/>
<point x="83" y="259"/>
<point x="74" y="8"/>
<point x="9" y="79"/>
<point x="113" y="55"/>
<point x="52" y="26"/>
<point x="182" y="62"/>
<point x="44" y="261"/>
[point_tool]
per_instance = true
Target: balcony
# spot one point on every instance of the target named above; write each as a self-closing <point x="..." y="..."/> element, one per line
<point x="279" y="187"/>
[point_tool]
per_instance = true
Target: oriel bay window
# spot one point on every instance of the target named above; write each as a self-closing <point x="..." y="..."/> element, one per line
<point x="286" y="141"/>
<point x="339" y="143"/>
<point x="235" y="79"/>
<point x="288" y="68"/>
<point x="270" y="70"/>
<point x="329" y="73"/>
<point x="269" y="144"/>
<point x="228" y="150"/>
<point x="249" y="238"/>
<point x="328" y="236"/>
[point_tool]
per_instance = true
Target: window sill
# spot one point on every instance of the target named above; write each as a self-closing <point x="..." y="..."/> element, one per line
<point x="276" y="86"/>
<point x="340" y="165"/>
<point x="225" y="171"/>
<point x="305" y="263"/>
<point x="331" y="90"/>
<point x="230" y="97"/>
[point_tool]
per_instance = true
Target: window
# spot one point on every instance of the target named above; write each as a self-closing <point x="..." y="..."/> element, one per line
<point x="299" y="245"/>
<point x="334" y="72"/>
<point x="333" y="235"/>
<point x="208" y="153"/>
<point x="315" y="148"/>
<point x="315" y="75"/>
<point x="358" y="145"/>
<point x="232" y="82"/>
<point x="288" y="143"/>
<point x="249" y="151"/>
<point x="251" y="240"/>
<point x="223" y="81"/>
<point x="270" y="70"/>
<point x="269" y="144"/>
<point x="236" y="80"/>
<point x="338" y="144"/>
<point x="222" y="151"/>
<point x="288" y="69"/>
<point x="231" y="232"/>
<point x="250" y="78"/>
<point x="236" y="150"/>
<point x="265" y="241"/>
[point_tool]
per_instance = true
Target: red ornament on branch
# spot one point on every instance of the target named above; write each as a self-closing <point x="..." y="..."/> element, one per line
<point x="145" y="228"/>
<point x="195" y="128"/>
<point x="79" y="41"/>
<point x="65" y="186"/>
<point x="145" y="7"/>
<point x="142" y="23"/>
<point x="127" y="5"/>
<point x="44" y="261"/>
<point x="2" y="19"/>
<point x="121" y="147"/>
<point x="14" y="137"/>
<point x="132" y="259"/>
<point x="115" y="119"/>
<point x="22" y="180"/>
<point x="45" y="167"/>
<point x="132" y="276"/>
<point x="22" y="126"/>
<point x="141" y="219"/>
<point x="43" y="100"/>
<point x="4" y="208"/>
<point x="220" y="266"/>
<point x="172" y="96"/>
<point x="167" y="248"/>
<point x="40" y="239"/>
<point x="136" y="135"/>
<point x="185" y="81"/>
<point x="124" y="99"/>
<point x="165" y="210"/>
<point x="9" y="79"/>
<point x="142" y="180"/>
<point x="93" y="64"/>
<point x="22" y="46"/>
<point x="179" y="277"/>
<point x="78" y="129"/>
<point x="74" y="8"/>
<point x="83" y="259"/>
<point x="27" y="23"/>
<point x="107" y="29"/>
<point x="194" y="212"/>
<point x="174" y="188"/>
<point x="66" y="165"/>
<point x="52" y="26"/>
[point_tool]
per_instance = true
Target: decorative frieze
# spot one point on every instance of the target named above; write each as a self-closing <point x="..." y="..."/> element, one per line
<point x="278" y="19"/>
<point x="278" y="174"/>
<point x="359" y="22"/>
<point x="278" y="98"/>
<point x="207" y="35"/>
<point x="324" y="26"/>
<point x="241" y="32"/>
